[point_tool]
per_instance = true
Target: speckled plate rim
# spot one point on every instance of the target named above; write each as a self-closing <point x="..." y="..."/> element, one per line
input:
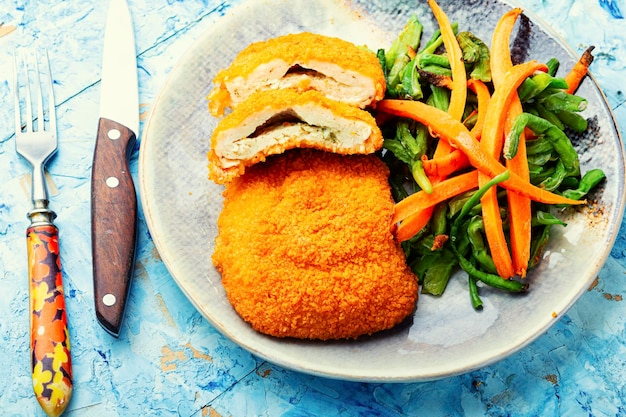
<point x="407" y="353"/>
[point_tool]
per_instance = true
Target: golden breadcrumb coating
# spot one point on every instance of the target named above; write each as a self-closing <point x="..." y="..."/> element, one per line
<point x="353" y="131"/>
<point x="305" y="248"/>
<point x="331" y="63"/>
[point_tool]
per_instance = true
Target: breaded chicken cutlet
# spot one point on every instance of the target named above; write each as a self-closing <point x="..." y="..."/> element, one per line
<point x="271" y="122"/>
<point x="304" y="61"/>
<point x="305" y="248"/>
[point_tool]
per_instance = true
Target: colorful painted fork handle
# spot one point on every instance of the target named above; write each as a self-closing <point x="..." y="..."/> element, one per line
<point x="50" y="341"/>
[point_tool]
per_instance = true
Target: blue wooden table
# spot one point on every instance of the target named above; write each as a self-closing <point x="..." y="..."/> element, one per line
<point x="168" y="360"/>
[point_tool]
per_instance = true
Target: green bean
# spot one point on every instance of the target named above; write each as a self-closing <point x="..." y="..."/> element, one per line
<point x="553" y="66"/>
<point x="424" y="60"/>
<point x="570" y="182"/>
<point x="556" y="178"/>
<point x="436" y="40"/>
<point x="561" y="143"/>
<point x="390" y="90"/>
<point x="410" y="149"/>
<point x="536" y="84"/>
<point x="439" y="219"/>
<point x="540" y="159"/>
<point x="574" y="121"/>
<point x="544" y="113"/>
<point x="542" y="218"/>
<point x="437" y="276"/>
<point x="475" y="53"/>
<point x="471" y="53"/>
<point x="462" y="242"/>
<point x="410" y="86"/>
<point x="587" y="183"/>
<point x="538" y="146"/>
<point x="440" y="98"/>
<point x="436" y="70"/>
<point x="489" y="279"/>
<point x="420" y="177"/>
<point x="537" y="245"/>
<point x="470" y="120"/>
<point x="455" y="204"/>
<point x="396" y="57"/>
<point x="477" y="303"/>
<point x="396" y="147"/>
<point x="480" y="251"/>
<point x="537" y="176"/>
<point x="560" y="100"/>
<point x="433" y="266"/>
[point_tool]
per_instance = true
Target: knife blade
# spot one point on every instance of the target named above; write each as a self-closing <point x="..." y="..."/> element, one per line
<point x="113" y="197"/>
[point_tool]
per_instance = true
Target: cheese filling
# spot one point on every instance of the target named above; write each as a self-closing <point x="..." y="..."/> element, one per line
<point x="304" y="125"/>
<point x="334" y="81"/>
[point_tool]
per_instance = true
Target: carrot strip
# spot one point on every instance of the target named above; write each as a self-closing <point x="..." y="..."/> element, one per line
<point x="500" y="52"/>
<point x="442" y="191"/>
<point x="482" y="94"/>
<point x="458" y="94"/>
<point x="413" y="224"/>
<point x="454" y="132"/>
<point x="492" y="136"/>
<point x="456" y="160"/>
<point x="579" y="70"/>
<point x="491" y="141"/>
<point x="446" y="165"/>
<point x="520" y="213"/>
<point x="495" y="233"/>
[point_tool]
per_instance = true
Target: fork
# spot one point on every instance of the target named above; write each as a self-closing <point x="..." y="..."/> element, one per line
<point x="36" y="142"/>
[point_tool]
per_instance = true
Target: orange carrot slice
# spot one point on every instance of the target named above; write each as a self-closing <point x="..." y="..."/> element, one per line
<point x="455" y="133"/>
<point x="575" y="76"/>
<point x="520" y="213"/>
<point x="442" y="191"/>
<point x="458" y="95"/>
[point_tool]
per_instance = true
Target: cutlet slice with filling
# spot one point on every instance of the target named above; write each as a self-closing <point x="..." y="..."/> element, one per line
<point x="305" y="249"/>
<point x="339" y="69"/>
<point x="273" y="121"/>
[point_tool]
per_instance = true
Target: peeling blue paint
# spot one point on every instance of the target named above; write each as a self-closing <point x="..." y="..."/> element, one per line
<point x="613" y="7"/>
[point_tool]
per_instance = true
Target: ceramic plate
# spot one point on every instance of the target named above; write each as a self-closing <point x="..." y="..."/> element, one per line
<point x="446" y="336"/>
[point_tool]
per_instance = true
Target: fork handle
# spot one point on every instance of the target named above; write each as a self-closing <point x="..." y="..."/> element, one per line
<point x="50" y="341"/>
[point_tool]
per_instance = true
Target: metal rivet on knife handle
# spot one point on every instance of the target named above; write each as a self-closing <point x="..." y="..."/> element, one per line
<point x="112" y="182"/>
<point x="109" y="300"/>
<point x="114" y="134"/>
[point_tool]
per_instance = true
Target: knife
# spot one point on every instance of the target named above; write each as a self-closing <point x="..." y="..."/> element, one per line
<point x="113" y="197"/>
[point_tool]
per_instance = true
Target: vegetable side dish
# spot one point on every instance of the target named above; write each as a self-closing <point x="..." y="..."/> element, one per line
<point x="457" y="116"/>
<point x="478" y="161"/>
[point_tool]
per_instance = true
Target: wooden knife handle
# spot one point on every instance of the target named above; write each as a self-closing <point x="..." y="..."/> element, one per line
<point x="50" y="340"/>
<point x="113" y="222"/>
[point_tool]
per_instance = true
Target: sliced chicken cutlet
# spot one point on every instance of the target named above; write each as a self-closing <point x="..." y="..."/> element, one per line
<point x="273" y="121"/>
<point x="305" y="249"/>
<point x="339" y="69"/>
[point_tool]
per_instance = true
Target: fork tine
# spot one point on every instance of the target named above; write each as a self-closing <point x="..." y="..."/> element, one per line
<point x="28" y="100"/>
<point x="16" y="96"/>
<point x="38" y="95"/>
<point x="52" y="117"/>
